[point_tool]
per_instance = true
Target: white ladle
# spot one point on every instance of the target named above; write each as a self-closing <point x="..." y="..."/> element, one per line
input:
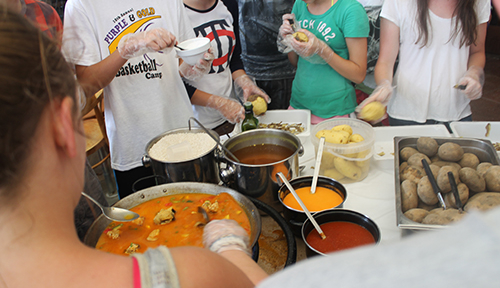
<point x="114" y="213"/>
<point x="317" y="165"/>
<point x="311" y="218"/>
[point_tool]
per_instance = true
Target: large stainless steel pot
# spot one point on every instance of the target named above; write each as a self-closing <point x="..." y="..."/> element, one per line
<point x="202" y="169"/>
<point x="259" y="181"/>
<point x="142" y="196"/>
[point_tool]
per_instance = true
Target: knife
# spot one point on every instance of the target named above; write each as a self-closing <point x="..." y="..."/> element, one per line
<point x="454" y="190"/>
<point x="292" y="23"/>
<point x="435" y="187"/>
<point x="460" y="87"/>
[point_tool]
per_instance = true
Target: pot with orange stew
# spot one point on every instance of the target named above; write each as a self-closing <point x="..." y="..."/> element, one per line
<point x="170" y="217"/>
<point x="330" y="194"/>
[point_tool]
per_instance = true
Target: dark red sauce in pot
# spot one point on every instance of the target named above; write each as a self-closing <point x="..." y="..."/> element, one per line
<point x="339" y="235"/>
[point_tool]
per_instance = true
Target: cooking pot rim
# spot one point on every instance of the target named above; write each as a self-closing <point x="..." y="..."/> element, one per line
<point x="176" y="131"/>
<point x="194" y="187"/>
<point x="262" y="131"/>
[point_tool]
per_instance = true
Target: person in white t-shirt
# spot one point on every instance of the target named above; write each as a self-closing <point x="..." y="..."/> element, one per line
<point x="218" y="21"/>
<point x="126" y="47"/>
<point x="441" y="59"/>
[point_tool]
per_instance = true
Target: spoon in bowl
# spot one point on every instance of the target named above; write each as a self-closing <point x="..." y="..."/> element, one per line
<point x="114" y="213"/>
<point x="318" y="163"/>
<point x="311" y="218"/>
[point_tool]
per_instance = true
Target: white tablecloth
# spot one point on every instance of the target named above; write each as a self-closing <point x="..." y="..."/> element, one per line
<point x="374" y="196"/>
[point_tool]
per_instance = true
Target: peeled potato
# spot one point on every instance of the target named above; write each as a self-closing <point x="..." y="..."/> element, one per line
<point x="343" y="127"/>
<point x="259" y="104"/>
<point x="372" y="111"/>
<point x="356" y="138"/>
<point x="300" y="36"/>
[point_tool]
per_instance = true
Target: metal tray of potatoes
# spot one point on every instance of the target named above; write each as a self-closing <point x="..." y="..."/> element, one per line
<point x="483" y="149"/>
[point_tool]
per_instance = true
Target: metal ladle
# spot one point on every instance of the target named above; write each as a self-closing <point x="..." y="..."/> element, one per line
<point x="114" y="213"/>
<point x="213" y="137"/>
<point x="308" y="214"/>
<point x="318" y="163"/>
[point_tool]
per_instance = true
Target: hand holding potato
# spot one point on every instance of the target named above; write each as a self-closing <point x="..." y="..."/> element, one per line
<point x="381" y="94"/>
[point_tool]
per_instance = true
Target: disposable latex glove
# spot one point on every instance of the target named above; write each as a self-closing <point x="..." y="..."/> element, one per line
<point x="473" y="79"/>
<point x="224" y="235"/>
<point x="136" y="44"/>
<point x="382" y="94"/>
<point x="245" y="85"/>
<point x="201" y="68"/>
<point x="229" y="108"/>
<point x="285" y="33"/>
<point x="311" y="47"/>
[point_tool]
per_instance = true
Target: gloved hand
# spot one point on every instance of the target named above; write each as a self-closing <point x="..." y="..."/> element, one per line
<point x="201" y="68"/>
<point x="382" y="94"/>
<point x="244" y="85"/>
<point x="473" y="79"/>
<point x="311" y="47"/>
<point x="229" y="108"/>
<point x="136" y="44"/>
<point x="285" y="33"/>
<point x="226" y="234"/>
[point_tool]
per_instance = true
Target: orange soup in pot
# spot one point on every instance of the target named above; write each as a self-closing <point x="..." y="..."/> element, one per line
<point x="172" y="221"/>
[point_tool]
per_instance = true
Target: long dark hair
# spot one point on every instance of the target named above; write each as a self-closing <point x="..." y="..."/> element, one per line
<point x="465" y="23"/>
<point x="33" y="73"/>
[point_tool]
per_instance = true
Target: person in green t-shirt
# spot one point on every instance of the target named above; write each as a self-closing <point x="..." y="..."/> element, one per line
<point x="334" y="56"/>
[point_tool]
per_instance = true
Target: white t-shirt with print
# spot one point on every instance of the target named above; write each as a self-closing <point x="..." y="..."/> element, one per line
<point x="217" y="25"/>
<point x="147" y="96"/>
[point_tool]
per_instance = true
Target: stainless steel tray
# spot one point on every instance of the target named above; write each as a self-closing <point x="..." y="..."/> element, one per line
<point x="483" y="149"/>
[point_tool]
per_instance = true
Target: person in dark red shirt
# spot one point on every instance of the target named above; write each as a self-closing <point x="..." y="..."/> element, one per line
<point x="43" y="14"/>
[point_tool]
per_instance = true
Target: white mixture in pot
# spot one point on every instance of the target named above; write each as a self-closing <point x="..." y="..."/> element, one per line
<point x="181" y="147"/>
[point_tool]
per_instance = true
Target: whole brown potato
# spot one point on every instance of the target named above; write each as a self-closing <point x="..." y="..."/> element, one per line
<point x="434" y="170"/>
<point x="463" y="192"/>
<point x="427" y="146"/>
<point x="492" y="178"/>
<point x="424" y="206"/>
<point x="402" y="166"/>
<point x="412" y="173"/>
<point x="443" y="217"/>
<point x="471" y="178"/>
<point x="416" y="214"/>
<point x="482" y="168"/>
<point x="447" y="163"/>
<point x="443" y="181"/>
<point x="425" y="191"/>
<point x="406" y="152"/>
<point x="483" y="201"/>
<point x="416" y="159"/>
<point x="450" y="151"/>
<point x="409" y="197"/>
<point x="469" y="160"/>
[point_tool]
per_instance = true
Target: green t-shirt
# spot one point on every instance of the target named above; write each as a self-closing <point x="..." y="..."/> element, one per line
<point x="317" y="86"/>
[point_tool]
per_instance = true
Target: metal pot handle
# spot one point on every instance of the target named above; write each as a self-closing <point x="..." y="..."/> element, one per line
<point x="301" y="150"/>
<point x="146" y="161"/>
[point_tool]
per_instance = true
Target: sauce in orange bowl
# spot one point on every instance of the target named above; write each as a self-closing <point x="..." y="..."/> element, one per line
<point x="340" y="235"/>
<point x="344" y="229"/>
<point x="322" y="199"/>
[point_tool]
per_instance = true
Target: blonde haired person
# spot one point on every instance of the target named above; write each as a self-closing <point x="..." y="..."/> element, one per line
<point x="42" y="160"/>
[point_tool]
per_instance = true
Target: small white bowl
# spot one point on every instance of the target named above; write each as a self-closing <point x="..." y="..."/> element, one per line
<point x="193" y="49"/>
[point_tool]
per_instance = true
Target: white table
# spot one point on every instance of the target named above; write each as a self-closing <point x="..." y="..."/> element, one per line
<point x="374" y="196"/>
